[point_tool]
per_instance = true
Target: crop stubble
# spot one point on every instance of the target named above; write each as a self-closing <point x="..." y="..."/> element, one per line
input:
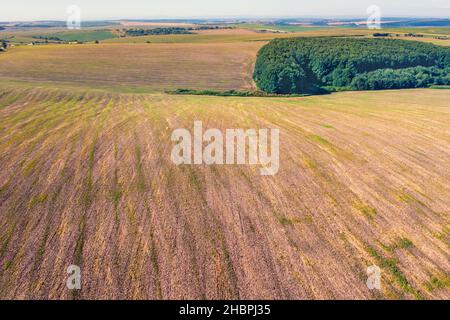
<point x="87" y="179"/>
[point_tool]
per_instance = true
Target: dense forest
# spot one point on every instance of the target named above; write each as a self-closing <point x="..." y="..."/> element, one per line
<point x="3" y="45"/>
<point x="48" y="38"/>
<point x="313" y="65"/>
<point x="170" y="30"/>
<point x="157" y="31"/>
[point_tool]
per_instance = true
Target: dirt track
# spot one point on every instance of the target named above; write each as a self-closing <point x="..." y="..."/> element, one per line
<point x="87" y="179"/>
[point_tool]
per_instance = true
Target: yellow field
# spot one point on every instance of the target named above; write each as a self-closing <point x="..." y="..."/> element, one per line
<point x="238" y="35"/>
<point x="219" y="66"/>
<point x="87" y="179"/>
<point x="217" y="60"/>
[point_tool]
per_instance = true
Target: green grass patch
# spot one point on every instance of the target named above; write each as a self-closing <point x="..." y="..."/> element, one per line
<point x="321" y="140"/>
<point x="87" y="194"/>
<point x="154" y="259"/>
<point x="5" y="238"/>
<point x="78" y="36"/>
<point x="194" y="179"/>
<point x="310" y="163"/>
<point x="440" y="87"/>
<point x="229" y="268"/>
<point x="86" y="202"/>
<point x="391" y="266"/>
<point x="3" y="188"/>
<point x="443" y="236"/>
<point x="407" y="198"/>
<point x="401" y="243"/>
<point x="331" y="147"/>
<point x="367" y="210"/>
<point x="116" y="193"/>
<point x="141" y="185"/>
<point x="285" y="221"/>
<point x="231" y="93"/>
<point x="29" y="167"/>
<point x="7" y="265"/>
<point x="41" y="198"/>
<point x="131" y="215"/>
<point x="437" y="283"/>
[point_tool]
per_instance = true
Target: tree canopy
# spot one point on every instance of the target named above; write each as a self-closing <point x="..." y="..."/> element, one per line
<point x="308" y="65"/>
<point x="3" y="45"/>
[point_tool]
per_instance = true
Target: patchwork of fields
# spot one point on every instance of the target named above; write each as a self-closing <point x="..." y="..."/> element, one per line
<point x="212" y="59"/>
<point x="87" y="179"/>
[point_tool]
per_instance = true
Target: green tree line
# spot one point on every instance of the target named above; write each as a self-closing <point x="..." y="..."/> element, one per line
<point x="3" y="45"/>
<point x="312" y="65"/>
<point x="157" y="31"/>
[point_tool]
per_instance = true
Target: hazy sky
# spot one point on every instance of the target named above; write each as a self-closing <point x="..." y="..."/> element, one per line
<point x="109" y="9"/>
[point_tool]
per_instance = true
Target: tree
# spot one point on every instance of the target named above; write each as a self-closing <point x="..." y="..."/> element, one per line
<point x="4" y="44"/>
<point x="303" y="65"/>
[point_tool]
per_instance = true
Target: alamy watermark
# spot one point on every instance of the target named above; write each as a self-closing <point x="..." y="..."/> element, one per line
<point x="374" y="19"/>
<point x="234" y="146"/>
<point x="74" y="19"/>
<point x="374" y="278"/>
<point x="73" y="282"/>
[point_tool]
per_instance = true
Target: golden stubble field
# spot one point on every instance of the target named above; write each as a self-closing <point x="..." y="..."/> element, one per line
<point x="87" y="179"/>
<point x="219" y="66"/>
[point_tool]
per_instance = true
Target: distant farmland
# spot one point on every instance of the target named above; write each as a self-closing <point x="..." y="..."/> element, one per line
<point x="84" y="36"/>
<point x="219" y="66"/>
<point x="212" y="59"/>
<point x="87" y="179"/>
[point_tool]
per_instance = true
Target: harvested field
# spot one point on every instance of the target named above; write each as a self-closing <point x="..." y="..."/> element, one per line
<point x="239" y="35"/>
<point x="233" y="31"/>
<point x="439" y="42"/>
<point x="83" y="36"/>
<point x="156" y="24"/>
<point x="219" y="66"/>
<point x="87" y="179"/>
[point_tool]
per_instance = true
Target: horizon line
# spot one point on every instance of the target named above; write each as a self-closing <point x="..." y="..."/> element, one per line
<point x="246" y="17"/>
